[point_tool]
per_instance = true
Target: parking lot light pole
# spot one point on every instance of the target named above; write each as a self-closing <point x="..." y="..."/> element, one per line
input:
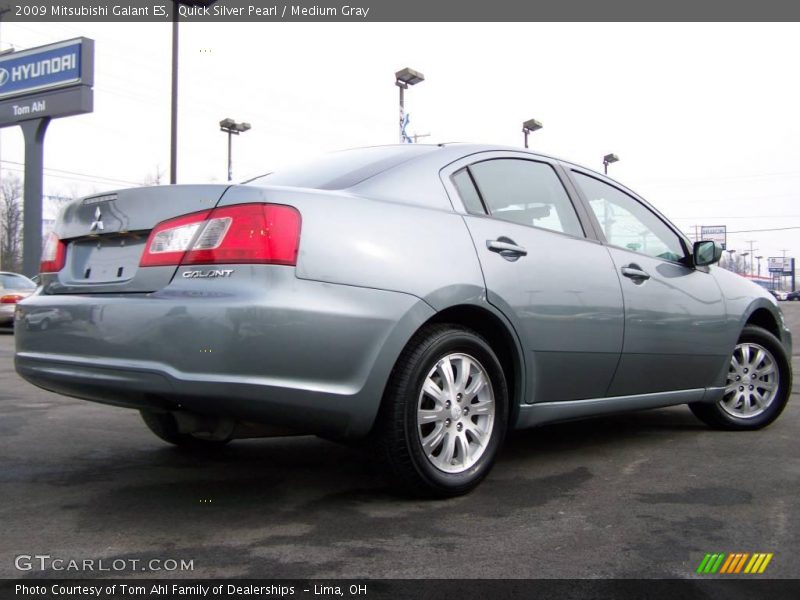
<point x="758" y="258"/>
<point x="402" y="79"/>
<point x="607" y="160"/>
<point x="232" y="128"/>
<point x="731" y="266"/>
<point x="530" y="126"/>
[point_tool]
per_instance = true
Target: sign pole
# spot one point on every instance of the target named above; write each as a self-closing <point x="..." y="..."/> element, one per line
<point x="33" y="131"/>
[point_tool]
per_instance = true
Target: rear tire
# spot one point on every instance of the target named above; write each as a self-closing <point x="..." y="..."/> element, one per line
<point x="444" y="413"/>
<point x="758" y="386"/>
<point x="165" y="427"/>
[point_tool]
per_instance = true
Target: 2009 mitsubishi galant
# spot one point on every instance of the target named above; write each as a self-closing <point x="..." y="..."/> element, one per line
<point x="428" y="298"/>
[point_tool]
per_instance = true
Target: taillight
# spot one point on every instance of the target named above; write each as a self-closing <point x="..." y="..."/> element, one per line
<point x="170" y="240"/>
<point x="239" y="234"/>
<point x="54" y="255"/>
<point x="10" y="299"/>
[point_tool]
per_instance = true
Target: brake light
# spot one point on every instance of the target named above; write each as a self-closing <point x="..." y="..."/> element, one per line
<point x="10" y="299"/>
<point x="239" y="234"/>
<point x="54" y="255"/>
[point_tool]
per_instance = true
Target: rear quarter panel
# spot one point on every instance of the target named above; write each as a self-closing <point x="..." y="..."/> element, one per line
<point x="353" y="240"/>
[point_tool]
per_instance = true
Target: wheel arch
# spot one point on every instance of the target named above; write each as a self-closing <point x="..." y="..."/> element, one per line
<point x="500" y="335"/>
<point x="763" y="317"/>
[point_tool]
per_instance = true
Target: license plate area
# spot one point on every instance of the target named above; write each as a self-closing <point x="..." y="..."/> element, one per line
<point x="107" y="259"/>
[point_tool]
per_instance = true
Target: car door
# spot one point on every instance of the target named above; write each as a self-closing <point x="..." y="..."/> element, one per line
<point x="674" y="313"/>
<point x="557" y="286"/>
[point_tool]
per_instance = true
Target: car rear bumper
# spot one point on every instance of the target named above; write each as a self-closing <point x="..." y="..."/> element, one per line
<point x="302" y="354"/>
<point x="7" y="315"/>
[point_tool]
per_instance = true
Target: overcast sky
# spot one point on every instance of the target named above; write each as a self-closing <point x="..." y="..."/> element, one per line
<point x="704" y="117"/>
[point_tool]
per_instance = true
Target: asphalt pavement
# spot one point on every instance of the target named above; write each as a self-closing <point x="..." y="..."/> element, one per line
<point x="639" y="495"/>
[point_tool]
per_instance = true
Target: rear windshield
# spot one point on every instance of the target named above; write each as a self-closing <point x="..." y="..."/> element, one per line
<point x="15" y="282"/>
<point x="344" y="169"/>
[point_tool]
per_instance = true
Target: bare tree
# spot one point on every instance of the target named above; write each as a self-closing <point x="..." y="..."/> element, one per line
<point x="155" y="177"/>
<point x="10" y="223"/>
<point x="736" y="263"/>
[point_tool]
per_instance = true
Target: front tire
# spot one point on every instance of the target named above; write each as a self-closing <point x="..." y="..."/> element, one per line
<point x="758" y="386"/>
<point x="444" y="413"/>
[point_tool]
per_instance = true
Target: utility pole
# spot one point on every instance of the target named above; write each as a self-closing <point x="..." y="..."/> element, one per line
<point x="751" y="242"/>
<point x="173" y="125"/>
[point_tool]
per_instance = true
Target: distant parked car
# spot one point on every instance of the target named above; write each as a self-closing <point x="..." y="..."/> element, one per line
<point x="13" y="288"/>
<point x="426" y="298"/>
<point x="793" y="295"/>
<point x="779" y="295"/>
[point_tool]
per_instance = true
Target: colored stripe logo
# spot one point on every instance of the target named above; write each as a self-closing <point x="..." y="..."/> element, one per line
<point x="735" y="563"/>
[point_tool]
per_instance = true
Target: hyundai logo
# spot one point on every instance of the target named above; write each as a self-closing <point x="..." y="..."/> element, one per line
<point x="4" y="77"/>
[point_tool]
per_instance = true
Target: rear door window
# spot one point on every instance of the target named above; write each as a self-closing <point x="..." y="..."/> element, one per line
<point x="526" y="192"/>
<point x="469" y="195"/>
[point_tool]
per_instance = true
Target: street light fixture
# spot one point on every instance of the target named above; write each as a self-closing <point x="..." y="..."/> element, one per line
<point x="231" y="127"/>
<point x="402" y="79"/>
<point x="609" y="159"/>
<point x="530" y="126"/>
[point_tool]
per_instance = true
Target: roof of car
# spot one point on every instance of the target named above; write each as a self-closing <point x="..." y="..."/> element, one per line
<point x="467" y="148"/>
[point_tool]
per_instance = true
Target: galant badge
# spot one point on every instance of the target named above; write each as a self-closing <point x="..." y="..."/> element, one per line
<point x="97" y="224"/>
<point x="210" y="274"/>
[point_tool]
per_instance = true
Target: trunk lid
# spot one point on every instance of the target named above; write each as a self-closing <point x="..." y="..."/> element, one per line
<point x="106" y="235"/>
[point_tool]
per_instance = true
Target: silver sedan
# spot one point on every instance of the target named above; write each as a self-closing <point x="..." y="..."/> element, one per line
<point x="424" y="298"/>
<point x="13" y="288"/>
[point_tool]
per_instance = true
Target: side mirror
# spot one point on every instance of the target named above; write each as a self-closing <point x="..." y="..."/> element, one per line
<point x="706" y="253"/>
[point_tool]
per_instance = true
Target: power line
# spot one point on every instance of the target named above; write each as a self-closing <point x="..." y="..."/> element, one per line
<point x="758" y="230"/>
<point x="66" y="177"/>
<point x="736" y="217"/>
<point x="710" y="180"/>
<point x="95" y="178"/>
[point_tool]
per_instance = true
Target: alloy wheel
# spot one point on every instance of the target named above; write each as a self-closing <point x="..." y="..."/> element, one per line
<point x="455" y="413"/>
<point x="752" y="381"/>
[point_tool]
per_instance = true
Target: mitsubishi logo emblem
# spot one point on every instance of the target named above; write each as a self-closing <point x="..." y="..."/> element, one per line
<point x="98" y="220"/>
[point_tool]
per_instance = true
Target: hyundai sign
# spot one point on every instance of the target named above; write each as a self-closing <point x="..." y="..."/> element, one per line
<point x="715" y="233"/>
<point x="58" y="65"/>
<point x="36" y="86"/>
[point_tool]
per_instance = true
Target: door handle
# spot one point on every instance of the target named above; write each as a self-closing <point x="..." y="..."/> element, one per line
<point x="506" y="248"/>
<point x="636" y="273"/>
